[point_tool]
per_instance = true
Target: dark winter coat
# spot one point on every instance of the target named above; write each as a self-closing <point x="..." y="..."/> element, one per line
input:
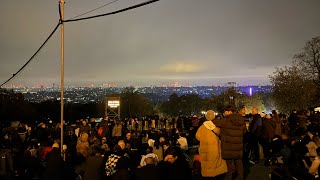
<point x="84" y="129"/>
<point x="178" y="170"/>
<point x="106" y="129"/>
<point x="268" y="129"/>
<point x="93" y="168"/>
<point x="121" y="174"/>
<point x="255" y="126"/>
<point x="55" y="166"/>
<point x="232" y="129"/>
<point x="148" y="172"/>
<point x="302" y="119"/>
<point x="42" y="135"/>
<point x="6" y="162"/>
<point x="122" y="166"/>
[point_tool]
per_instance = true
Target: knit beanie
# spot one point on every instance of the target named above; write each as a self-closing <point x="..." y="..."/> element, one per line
<point x="210" y="115"/>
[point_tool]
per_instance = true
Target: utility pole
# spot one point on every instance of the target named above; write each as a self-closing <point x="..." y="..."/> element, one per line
<point x="62" y="76"/>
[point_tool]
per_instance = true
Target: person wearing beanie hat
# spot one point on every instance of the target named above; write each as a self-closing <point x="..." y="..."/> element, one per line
<point x="93" y="167"/>
<point x="211" y="160"/>
<point x="84" y="127"/>
<point x="55" y="164"/>
<point x="55" y="145"/>
<point x="255" y="130"/>
<point x="83" y="145"/>
<point x="233" y="129"/>
<point x="268" y="133"/>
<point x="210" y="115"/>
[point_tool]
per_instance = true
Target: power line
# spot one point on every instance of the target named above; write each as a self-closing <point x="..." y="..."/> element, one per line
<point x="32" y="57"/>
<point x="94" y="9"/>
<point x="114" y="12"/>
<point x="72" y="20"/>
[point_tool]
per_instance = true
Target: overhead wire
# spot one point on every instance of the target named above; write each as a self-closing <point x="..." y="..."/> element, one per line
<point x="109" y="3"/>
<point x="32" y="57"/>
<point x="35" y="54"/>
<point x="114" y="12"/>
<point x="73" y="20"/>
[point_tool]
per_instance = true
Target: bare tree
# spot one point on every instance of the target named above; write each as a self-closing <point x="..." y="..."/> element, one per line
<point x="309" y="59"/>
<point x="292" y="89"/>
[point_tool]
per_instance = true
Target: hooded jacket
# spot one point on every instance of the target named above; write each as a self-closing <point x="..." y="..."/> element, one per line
<point x="55" y="166"/>
<point x="211" y="160"/>
<point x="268" y="131"/>
<point x="83" y="145"/>
<point x="232" y="129"/>
<point x="255" y="126"/>
<point x="93" y="168"/>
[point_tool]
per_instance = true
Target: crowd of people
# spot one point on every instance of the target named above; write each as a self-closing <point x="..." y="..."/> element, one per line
<point x="211" y="146"/>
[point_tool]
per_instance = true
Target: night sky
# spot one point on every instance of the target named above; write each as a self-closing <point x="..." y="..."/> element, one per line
<point x="203" y="42"/>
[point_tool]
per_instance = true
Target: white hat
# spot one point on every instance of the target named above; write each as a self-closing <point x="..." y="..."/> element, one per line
<point x="210" y="115"/>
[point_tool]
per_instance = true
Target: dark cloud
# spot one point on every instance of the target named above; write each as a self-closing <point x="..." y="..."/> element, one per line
<point x="200" y="41"/>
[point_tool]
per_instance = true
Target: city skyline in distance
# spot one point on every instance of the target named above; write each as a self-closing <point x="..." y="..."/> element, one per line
<point x="155" y="94"/>
<point x="204" y="43"/>
<point x="176" y="83"/>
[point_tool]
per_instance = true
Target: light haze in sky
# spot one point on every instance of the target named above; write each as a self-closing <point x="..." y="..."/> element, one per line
<point x="201" y="42"/>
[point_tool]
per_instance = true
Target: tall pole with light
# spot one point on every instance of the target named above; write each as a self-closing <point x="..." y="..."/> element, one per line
<point x="62" y="75"/>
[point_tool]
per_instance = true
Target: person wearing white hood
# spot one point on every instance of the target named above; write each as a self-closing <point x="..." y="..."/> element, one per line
<point x="212" y="164"/>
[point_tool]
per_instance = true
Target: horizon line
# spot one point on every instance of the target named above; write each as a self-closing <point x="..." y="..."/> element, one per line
<point x="135" y="86"/>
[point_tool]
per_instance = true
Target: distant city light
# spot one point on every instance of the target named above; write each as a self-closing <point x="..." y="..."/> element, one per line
<point x="84" y="95"/>
<point x="250" y="91"/>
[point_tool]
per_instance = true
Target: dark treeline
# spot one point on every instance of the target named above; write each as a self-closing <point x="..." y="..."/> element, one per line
<point x="14" y="107"/>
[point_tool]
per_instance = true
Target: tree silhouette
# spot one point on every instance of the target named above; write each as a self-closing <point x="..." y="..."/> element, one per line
<point x="292" y="89"/>
<point x="134" y="104"/>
